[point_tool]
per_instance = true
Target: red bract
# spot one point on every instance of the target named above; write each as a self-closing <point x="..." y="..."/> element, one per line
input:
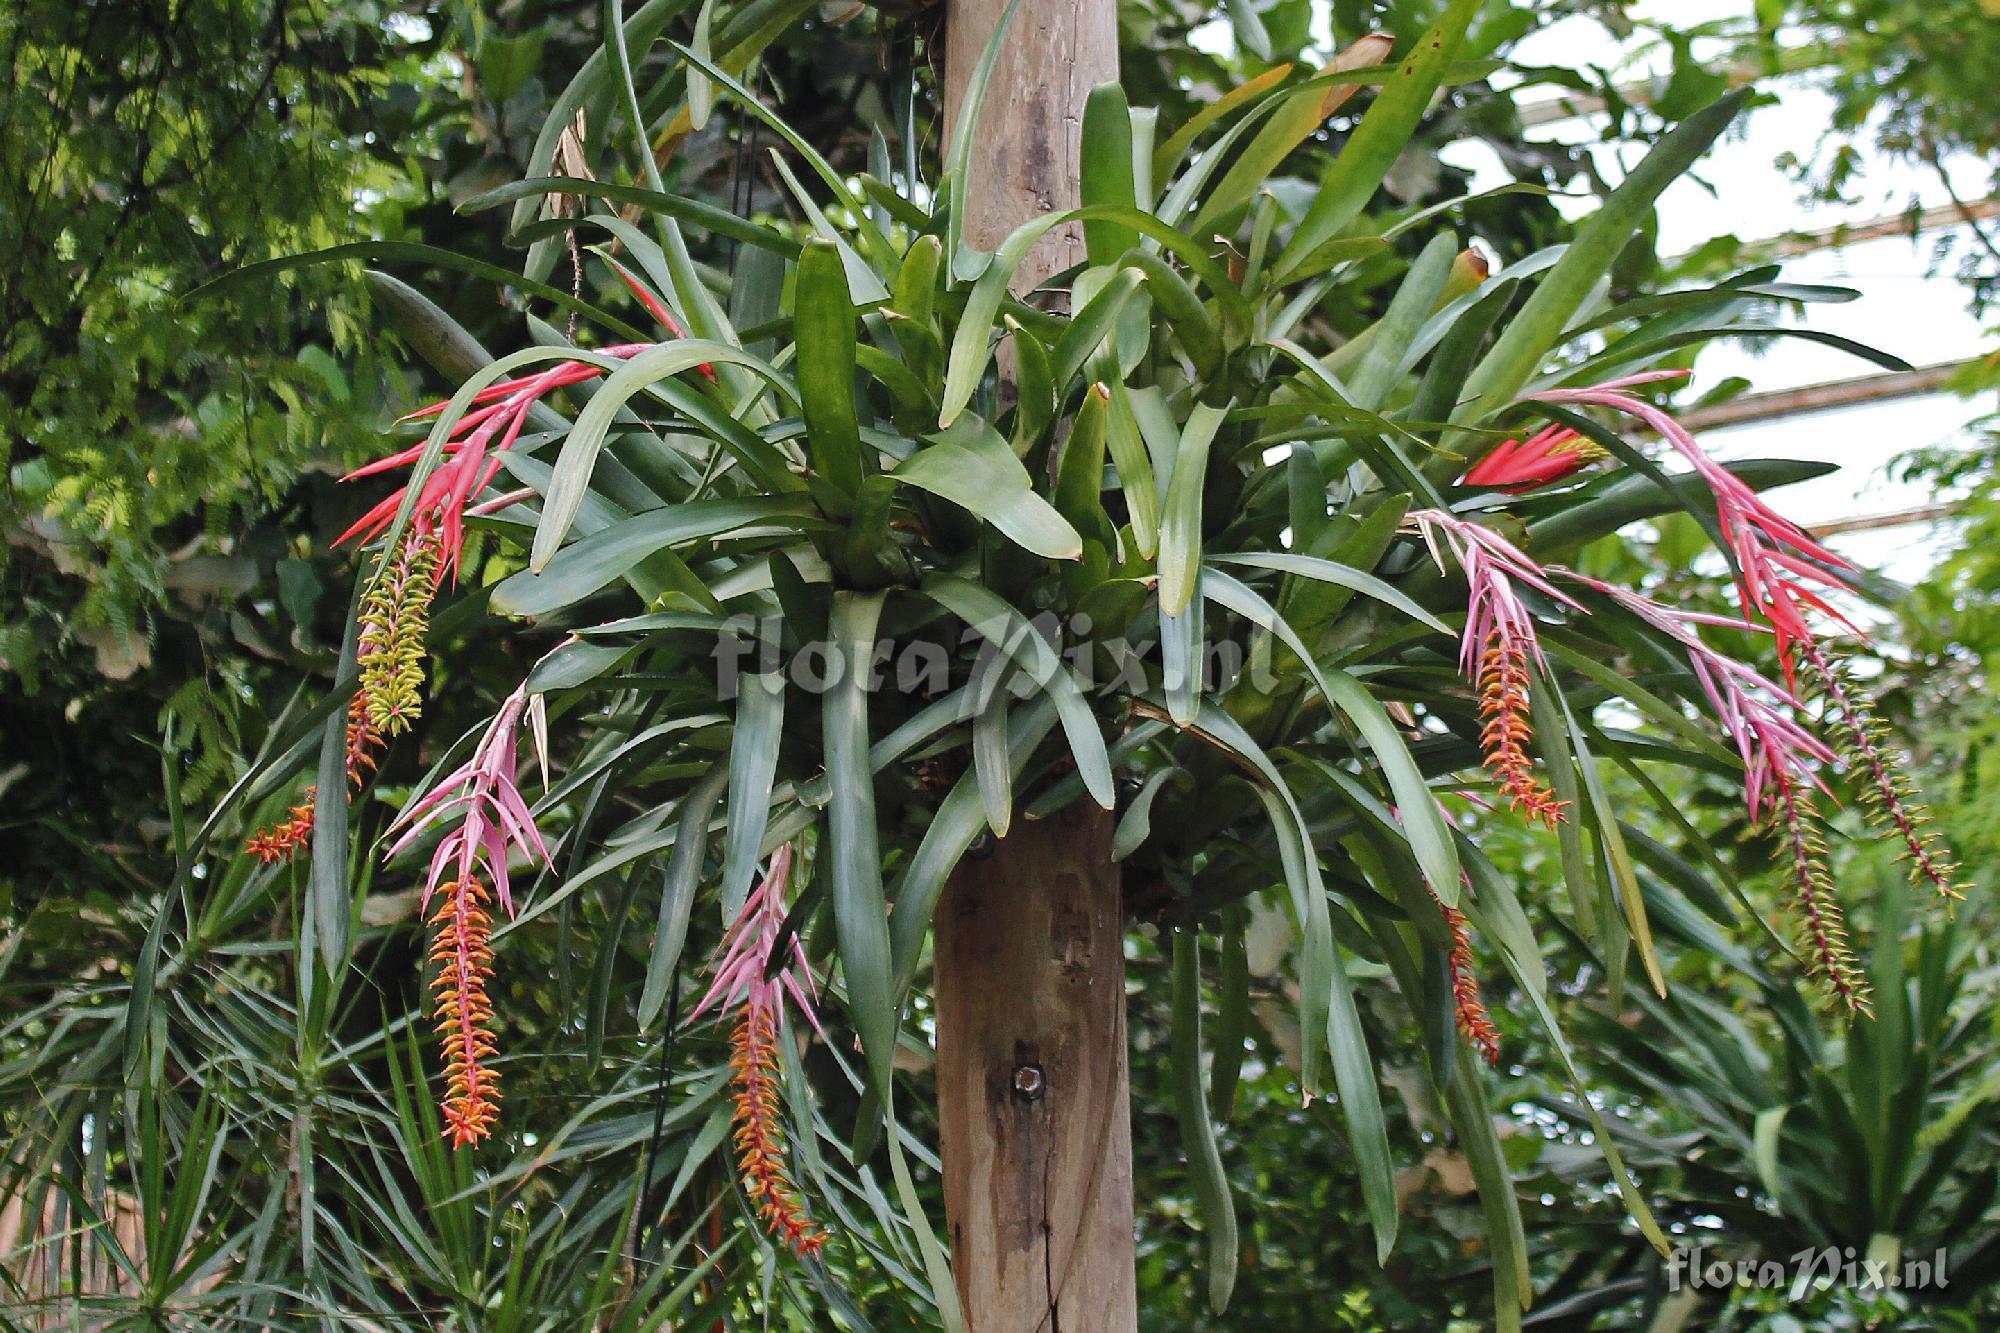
<point x="1776" y="560"/>
<point x="499" y="411"/>
<point x="1544" y="458"/>
<point x="470" y="460"/>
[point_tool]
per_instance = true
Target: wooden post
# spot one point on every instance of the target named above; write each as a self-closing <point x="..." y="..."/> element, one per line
<point x="1033" y="1102"/>
<point x="1027" y="156"/>
<point x="1034" y="1113"/>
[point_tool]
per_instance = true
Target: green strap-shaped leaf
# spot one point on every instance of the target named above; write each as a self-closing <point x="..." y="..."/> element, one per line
<point x="583" y="567"/>
<point x="753" y="763"/>
<point x="1533" y="332"/>
<point x="1106" y="170"/>
<point x="713" y="220"/>
<point x="872" y="239"/>
<point x="861" y="918"/>
<point x="971" y="348"/>
<point x="1136" y="481"/>
<point x="1204" y="1157"/>
<point x="1232" y="1023"/>
<point x="1326" y="994"/>
<point x="1011" y="632"/>
<point x="989" y="700"/>
<point x="1180" y="516"/>
<point x="1001" y="495"/>
<point x="1183" y="647"/>
<point x="1135" y="825"/>
<point x="1423" y="824"/>
<point x="1364" y="160"/>
<point x="677" y="886"/>
<point x="1333" y="572"/>
<point x="586" y="439"/>
<point x="430" y="256"/>
<point x="964" y="132"/>
<point x="329" y="885"/>
<point x="700" y="92"/>
<point x="959" y="821"/>
<point x="1169" y="154"/>
<point x="1105" y="295"/>
<point x="823" y="318"/>
<point x="1185" y="314"/>
<point x="1297" y="116"/>
<point x="1080" y="470"/>
<point x="1628" y="1189"/>
<point x="1379" y="366"/>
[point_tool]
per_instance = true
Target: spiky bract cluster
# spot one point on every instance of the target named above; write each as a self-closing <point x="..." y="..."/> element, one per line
<point x="760" y="1131"/>
<point x="292" y="834"/>
<point x="1499" y="649"/>
<point x="1474" y="1022"/>
<point x="283" y="840"/>
<point x="763" y="967"/>
<point x="464" y="1012"/>
<point x="1822" y="923"/>
<point x="1888" y="797"/>
<point x="1506" y="731"/>
<point x="395" y="622"/>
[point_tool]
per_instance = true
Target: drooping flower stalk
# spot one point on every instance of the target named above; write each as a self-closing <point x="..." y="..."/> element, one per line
<point x="1552" y="454"/>
<point x="471" y="456"/>
<point x="1779" y="779"/>
<point x="395" y="610"/>
<point x="1822" y="924"/>
<point x="1471" y="1017"/>
<point x="291" y="835"/>
<point x="495" y="823"/>
<point x="759" y="971"/>
<point x="284" y="840"/>
<point x="464" y="1012"/>
<point x="1498" y="649"/>
<point x="1772" y="744"/>
<point x="1781" y="571"/>
<point x="1887" y="794"/>
<point x="395" y="623"/>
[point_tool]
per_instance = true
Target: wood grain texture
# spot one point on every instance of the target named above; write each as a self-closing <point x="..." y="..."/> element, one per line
<point x="1033" y="1110"/>
<point x="1034" y="1113"/>
<point x="1027" y="156"/>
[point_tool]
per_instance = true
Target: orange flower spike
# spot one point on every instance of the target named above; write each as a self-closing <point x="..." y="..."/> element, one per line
<point x="464" y="1012"/>
<point x="287" y="838"/>
<point x="1499" y="648"/>
<point x="760" y="1132"/>
<point x="760" y="971"/>
<point x="283" y="840"/>
<point x="1503" y="707"/>
<point x="1473" y="1020"/>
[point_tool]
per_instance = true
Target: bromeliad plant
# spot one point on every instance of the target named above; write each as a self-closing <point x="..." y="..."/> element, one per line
<point x="817" y="579"/>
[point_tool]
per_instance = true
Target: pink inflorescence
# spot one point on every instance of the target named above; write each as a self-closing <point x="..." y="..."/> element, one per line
<point x="759" y="972"/>
<point x="1499" y="649"/>
<point x="1781" y="571"/>
<point x="1781" y="762"/>
<point x="495" y="822"/>
<point x="1550" y="455"/>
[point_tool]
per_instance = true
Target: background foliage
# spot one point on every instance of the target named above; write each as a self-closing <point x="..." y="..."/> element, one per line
<point x="167" y="506"/>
